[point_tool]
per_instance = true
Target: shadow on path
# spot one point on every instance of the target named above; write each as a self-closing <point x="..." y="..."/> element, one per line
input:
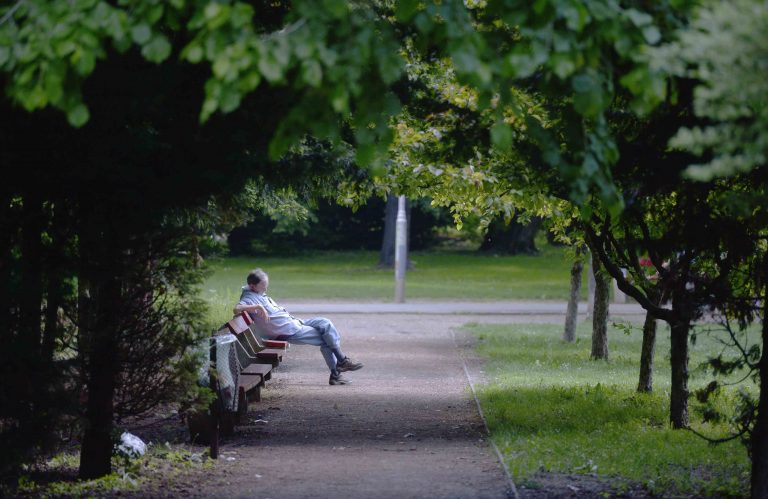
<point x="406" y="427"/>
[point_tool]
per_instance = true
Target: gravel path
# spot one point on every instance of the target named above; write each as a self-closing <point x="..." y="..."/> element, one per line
<point x="406" y="427"/>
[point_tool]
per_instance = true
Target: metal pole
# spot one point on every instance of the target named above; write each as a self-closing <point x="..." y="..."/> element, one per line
<point x="401" y="250"/>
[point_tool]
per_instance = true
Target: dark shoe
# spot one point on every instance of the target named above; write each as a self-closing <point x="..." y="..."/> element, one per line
<point x="348" y="365"/>
<point x="338" y="380"/>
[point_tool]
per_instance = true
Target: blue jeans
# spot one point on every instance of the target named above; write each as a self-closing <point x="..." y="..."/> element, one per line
<point x="319" y="332"/>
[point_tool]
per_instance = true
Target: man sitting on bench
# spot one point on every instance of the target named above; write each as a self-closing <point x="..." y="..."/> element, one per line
<point x="274" y="322"/>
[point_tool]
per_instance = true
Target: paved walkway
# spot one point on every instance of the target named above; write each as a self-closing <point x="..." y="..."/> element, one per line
<point x="408" y="426"/>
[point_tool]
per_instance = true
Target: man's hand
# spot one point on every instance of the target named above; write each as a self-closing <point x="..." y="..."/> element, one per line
<point x="261" y="312"/>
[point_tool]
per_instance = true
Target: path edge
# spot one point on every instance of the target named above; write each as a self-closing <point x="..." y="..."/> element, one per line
<point x="510" y="481"/>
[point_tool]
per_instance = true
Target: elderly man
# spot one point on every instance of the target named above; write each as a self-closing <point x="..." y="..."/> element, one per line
<point x="274" y="322"/>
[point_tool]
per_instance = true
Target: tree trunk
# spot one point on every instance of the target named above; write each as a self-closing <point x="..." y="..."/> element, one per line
<point x="513" y="238"/>
<point x="6" y="245"/>
<point x="31" y="276"/>
<point x="98" y="249"/>
<point x="678" y="407"/>
<point x="387" y="253"/>
<point x="572" y="312"/>
<point x="600" y="313"/>
<point x="590" y="287"/>
<point x="759" y="439"/>
<point x="645" y="383"/>
<point x="55" y="283"/>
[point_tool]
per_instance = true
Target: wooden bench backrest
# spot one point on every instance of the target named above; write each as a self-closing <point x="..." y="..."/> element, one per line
<point x="237" y="325"/>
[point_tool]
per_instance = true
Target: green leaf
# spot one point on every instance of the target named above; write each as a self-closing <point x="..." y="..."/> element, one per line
<point x="337" y="8"/>
<point x="230" y="99"/>
<point x="84" y="61"/>
<point x="222" y="67"/>
<point x="365" y="154"/>
<point x="5" y="53"/>
<point x="406" y="9"/>
<point x="53" y="85"/>
<point x="269" y="67"/>
<point x="157" y="50"/>
<point x="652" y="34"/>
<point x="193" y="53"/>
<point x="638" y="18"/>
<point x="312" y="72"/>
<point x="588" y="97"/>
<point x="562" y="64"/>
<point x="78" y="115"/>
<point x="501" y="136"/>
<point x="141" y="33"/>
<point x="390" y="65"/>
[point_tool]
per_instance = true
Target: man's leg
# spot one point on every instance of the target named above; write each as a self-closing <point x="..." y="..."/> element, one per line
<point x="309" y="335"/>
<point x="329" y="334"/>
<point x="332" y="339"/>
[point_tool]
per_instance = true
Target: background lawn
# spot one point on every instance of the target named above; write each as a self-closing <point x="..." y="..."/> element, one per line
<point x="552" y="409"/>
<point x="434" y="276"/>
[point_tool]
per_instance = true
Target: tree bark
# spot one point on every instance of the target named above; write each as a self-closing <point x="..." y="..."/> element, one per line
<point x="678" y="407"/>
<point x="645" y="382"/>
<point x="55" y="282"/>
<point x="513" y="238"/>
<point x="572" y="312"/>
<point x="6" y="245"/>
<point x="600" y="313"/>
<point x="590" y="287"/>
<point x="31" y="276"/>
<point x="759" y="439"/>
<point x="99" y="249"/>
<point x="387" y="253"/>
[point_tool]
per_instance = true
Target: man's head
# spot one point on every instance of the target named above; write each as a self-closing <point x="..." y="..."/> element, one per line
<point x="258" y="281"/>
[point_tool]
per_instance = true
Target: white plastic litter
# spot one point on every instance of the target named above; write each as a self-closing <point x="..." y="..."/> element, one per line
<point x="131" y="445"/>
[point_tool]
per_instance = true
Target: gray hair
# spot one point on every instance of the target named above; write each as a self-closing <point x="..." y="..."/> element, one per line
<point x="255" y="276"/>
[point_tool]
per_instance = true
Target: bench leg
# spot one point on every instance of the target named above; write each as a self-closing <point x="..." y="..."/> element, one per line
<point x="214" y="420"/>
<point x="242" y="405"/>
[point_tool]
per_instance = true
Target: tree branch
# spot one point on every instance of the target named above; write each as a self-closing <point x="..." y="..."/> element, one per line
<point x="624" y="285"/>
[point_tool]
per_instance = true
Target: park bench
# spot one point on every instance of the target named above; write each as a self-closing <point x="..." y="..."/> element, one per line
<point x="262" y="350"/>
<point x="242" y="364"/>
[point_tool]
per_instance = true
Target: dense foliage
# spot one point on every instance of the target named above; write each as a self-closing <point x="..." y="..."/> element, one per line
<point x="554" y="109"/>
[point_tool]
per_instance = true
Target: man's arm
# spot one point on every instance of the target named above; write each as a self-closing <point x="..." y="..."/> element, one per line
<point x="259" y="310"/>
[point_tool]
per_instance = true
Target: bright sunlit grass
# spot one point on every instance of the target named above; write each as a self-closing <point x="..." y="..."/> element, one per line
<point x="552" y="409"/>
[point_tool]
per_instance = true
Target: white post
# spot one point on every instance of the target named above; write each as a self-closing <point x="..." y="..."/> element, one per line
<point x="401" y="250"/>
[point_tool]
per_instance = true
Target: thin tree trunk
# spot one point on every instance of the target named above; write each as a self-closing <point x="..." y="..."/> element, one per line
<point x="590" y="287"/>
<point x="678" y="407"/>
<point x="759" y="439"/>
<point x="55" y="284"/>
<point x="572" y="312"/>
<point x="31" y="276"/>
<point x="6" y="244"/>
<point x="600" y="313"/>
<point x="511" y="238"/>
<point x="645" y="383"/>
<point x="99" y="250"/>
<point x="387" y="253"/>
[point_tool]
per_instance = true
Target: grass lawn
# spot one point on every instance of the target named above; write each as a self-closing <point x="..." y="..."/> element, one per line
<point x="551" y="409"/>
<point x="437" y="276"/>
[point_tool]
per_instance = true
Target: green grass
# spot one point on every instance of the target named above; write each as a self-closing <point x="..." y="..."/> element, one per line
<point x="146" y="475"/>
<point x="355" y="276"/>
<point x="550" y="408"/>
